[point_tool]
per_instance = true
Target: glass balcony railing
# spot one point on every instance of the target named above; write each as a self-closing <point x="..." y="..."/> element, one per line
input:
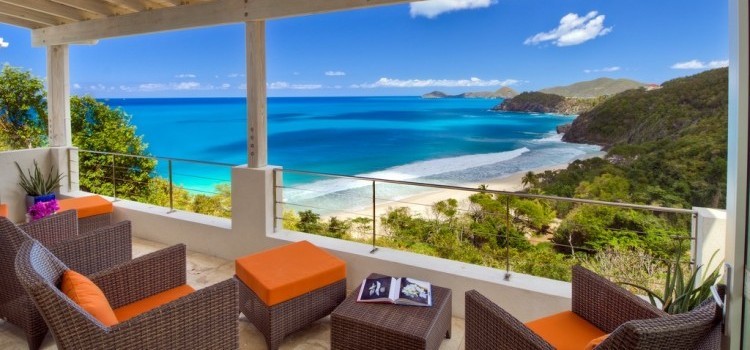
<point x="513" y="231"/>
<point x="179" y="184"/>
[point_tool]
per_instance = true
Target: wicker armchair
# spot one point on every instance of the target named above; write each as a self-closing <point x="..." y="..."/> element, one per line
<point x="204" y="319"/>
<point x="87" y="253"/>
<point x="631" y="322"/>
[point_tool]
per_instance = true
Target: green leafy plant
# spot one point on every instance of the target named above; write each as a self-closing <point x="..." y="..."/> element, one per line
<point x="36" y="184"/>
<point x="681" y="294"/>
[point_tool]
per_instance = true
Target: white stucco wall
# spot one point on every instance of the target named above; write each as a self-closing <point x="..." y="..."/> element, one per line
<point x="711" y="235"/>
<point x="10" y="192"/>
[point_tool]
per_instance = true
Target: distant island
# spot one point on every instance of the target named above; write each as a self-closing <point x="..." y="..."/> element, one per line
<point x="571" y="99"/>
<point x="503" y="92"/>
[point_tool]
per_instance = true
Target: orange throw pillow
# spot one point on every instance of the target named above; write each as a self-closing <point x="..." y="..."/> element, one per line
<point x="595" y="342"/>
<point x="88" y="296"/>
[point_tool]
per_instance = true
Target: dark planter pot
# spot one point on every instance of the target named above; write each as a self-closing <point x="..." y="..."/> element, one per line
<point x="31" y="200"/>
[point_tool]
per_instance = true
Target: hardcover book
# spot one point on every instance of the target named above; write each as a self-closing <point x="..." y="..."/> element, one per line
<point x="396" y="290"/>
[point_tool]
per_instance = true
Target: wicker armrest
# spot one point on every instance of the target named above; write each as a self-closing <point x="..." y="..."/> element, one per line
<point x="145" y="276"/>
<point x="488" y="326"/>
<point x="98" y="250"/>
<point x="53" y="229"/>
<point x="605" y="304"/>
<point x="204" y="319"/>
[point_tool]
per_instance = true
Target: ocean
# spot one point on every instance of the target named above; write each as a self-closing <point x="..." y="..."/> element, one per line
<point x="448" y="141"/>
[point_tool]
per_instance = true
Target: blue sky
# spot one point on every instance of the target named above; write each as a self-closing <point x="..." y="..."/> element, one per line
<point x="407" y="50"/>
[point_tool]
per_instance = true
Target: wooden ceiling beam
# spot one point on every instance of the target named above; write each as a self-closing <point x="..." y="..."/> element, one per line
<point x="192" y="16"/>
<point x="55" y="9"/>
<point x="15" y="21"/>
<point x="31" y="15"/>
<point x="96" y="6"/>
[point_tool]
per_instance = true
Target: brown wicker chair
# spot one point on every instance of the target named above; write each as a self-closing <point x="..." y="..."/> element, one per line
<point x="204" y="319"/>
<point x="632" y="322"/>
<point x="87" y="253"/>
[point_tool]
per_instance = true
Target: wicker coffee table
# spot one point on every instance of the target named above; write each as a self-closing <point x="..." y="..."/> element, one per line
<point x="385" y="326"/>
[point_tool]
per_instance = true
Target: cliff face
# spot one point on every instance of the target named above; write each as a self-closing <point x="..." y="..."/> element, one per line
<point x="540" y="102"/>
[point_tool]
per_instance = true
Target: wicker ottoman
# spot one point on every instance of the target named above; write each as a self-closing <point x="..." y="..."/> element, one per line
<point x="284" y="289"/>
<point x="93" y="211"/>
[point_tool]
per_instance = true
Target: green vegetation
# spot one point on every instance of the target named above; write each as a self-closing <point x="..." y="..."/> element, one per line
<point x="95" y="126"/>
<point x="594" y="88"/>
<point x="36" y="183"/>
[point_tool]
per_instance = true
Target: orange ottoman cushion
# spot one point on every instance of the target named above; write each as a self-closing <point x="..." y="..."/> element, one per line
<point x="4" y="210"/>
<point x="86" y="206"/>
<point x="565" y="331"/>
<point x="131" y="310"/>
<point x="286" y="272"/>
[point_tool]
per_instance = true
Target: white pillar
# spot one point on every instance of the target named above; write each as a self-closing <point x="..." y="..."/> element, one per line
<point x="58" y="96"/>
<point x="257" y="145"/>
<point x="737" y="173"/>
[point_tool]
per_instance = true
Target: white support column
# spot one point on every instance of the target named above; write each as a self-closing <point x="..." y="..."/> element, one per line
<point x="257" y="145"/>
<point x="737" y="177"/>
<point x="58" y="96"/>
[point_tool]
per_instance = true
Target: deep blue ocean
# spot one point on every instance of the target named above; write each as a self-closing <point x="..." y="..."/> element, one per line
<point x="407" y="138"/>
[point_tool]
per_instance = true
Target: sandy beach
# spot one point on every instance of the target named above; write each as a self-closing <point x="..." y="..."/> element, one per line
<point x="420" y="204"/>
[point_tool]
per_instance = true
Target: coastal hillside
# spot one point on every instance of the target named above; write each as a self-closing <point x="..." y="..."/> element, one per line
<point x="682" y="106"/>
<point x="665" y="147"/>
<point x="503" y="92"/>
<point x="594" y="88"/>
<point x="539" y="102"/>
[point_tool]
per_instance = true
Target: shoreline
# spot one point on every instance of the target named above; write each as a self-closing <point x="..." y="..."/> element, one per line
<point x="421" y="203"/>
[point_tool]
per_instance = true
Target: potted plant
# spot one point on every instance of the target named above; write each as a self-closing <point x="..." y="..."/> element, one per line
<point x="682" y="292"/>
<point x="38" y="187"/>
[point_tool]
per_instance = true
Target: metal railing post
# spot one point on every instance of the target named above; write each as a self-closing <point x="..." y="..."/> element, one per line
<point x="171" y="188"/>
<point x="275" y="201"/>
<point x="374" y="248"/>
<point x="507" y="238"/>
<point x="114" y="179"/>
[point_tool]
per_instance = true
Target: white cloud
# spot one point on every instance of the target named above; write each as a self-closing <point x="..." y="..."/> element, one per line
<point x="183" y="76"/>
<point x="434" y="8"/>
<point x="242" y="86"/>
<point x="573" y="30"/>
<point x="77" y="86"/>
<point x="605" y="69"/>
<point x="3" y="43"/>
<point x="695" y="64"/>
<point x="331" y="73"/>
<point x="282" y="85"/>
<point x="234" y="75"/>
<point x="188" y="85"/>
<point x="225" y="86"/>
<point x="410" y="83"/>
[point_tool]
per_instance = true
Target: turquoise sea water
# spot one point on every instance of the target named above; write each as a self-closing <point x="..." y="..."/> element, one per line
<point x="406" y="138"/>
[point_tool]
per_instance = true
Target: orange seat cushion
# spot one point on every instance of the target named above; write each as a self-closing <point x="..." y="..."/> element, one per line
<point x="595" y="342"/>
<point x="4" y="210"/>
<point x="565" y="331"/>
<point x="88" y="296"/>
<point x="86" y="206"/>
<point x="131" y="310"/>
<point x="286" y="272"/>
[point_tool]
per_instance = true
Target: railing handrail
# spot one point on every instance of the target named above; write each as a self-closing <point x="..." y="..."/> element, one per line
<point x="160" y="158"/>
<point x="517" y="194"/>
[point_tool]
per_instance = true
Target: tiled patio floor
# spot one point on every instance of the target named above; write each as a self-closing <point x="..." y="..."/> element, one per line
<point x="204" y="271"/>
